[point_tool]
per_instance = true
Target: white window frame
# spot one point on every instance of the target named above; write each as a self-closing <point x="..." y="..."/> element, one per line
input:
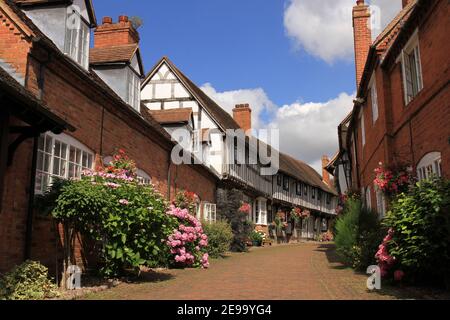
<point x="134" y="89"/>
<point x="143" y="177"/>
<point x="60" y="162"/>
<point x="374" y="98"/>
<point x="77" y="38"/>
<point x="429" y="165"/>
<point x="260" y="212"/>
<point x="416" y="80"/>
<point x="210" y="212"/>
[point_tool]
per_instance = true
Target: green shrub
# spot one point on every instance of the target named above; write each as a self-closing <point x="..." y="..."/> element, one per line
<point x="229" y="203"/>
<point x="128" y="218"/>
<point x="28" y="281"/>
<point x="257" y="236"/>
<point x="347" y="231"/>
<point x="220" y="237"/>
<point x="358" y="235"/>
<point x="421" y="223"/>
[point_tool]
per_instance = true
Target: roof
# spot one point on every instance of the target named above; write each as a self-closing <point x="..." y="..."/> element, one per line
<point x="172" y="116"/>
<point x="303" y="172"/>
<point x="89" y="6"/>
<point x="389" y="34"/>
<point x="224" y="119"/>
<point x="115" y="54"/>
<point x="28" y="108"/>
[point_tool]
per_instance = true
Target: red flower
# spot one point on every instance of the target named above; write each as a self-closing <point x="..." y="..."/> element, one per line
<point x="398" y="275"/>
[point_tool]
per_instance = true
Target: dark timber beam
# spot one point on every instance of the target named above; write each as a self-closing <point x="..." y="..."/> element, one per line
<point x="4" y="134"/>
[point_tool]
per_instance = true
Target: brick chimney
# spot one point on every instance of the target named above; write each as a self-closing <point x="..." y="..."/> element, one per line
<point x="362" y="37"/>
<point x="405" y="2"/>
<point x="242" y="114"/>
<point x="115" y="34"/>
<point x="325" y="173"/>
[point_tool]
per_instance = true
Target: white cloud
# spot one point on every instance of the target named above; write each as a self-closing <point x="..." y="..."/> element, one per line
<point x="307" y="130"/>
<point x="323" y="28"/>
<point x="257" y="98"/>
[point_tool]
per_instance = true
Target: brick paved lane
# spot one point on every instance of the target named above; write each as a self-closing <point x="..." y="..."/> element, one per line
<point x="290" y="272"/>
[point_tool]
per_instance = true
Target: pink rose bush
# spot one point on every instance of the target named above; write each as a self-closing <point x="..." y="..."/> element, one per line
<point x="391" y="182"/>
<point x="384" y="259"/>
<point x="188" y="242"/>
<point x="245" y="208"/>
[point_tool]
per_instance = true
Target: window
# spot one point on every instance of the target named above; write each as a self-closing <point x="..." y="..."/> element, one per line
<point x="143" y="177"/>
<point x="319" y="194"/>
<point x="60" y="156"/>
<point x="286" y="183"/>
<point x="260" y="213"/>
<point x="210" y="212"/>
<point x="77" y="39"/>
<point x="412" y="70"/>
<point x="134" y="89"/>
<point x="305" y="190"/>
<point x="298" y="188"/>
<point x="381" y="203"/>
<point x="363" y="129"/>
<point x="328" y="198"/>
<point x="313" y="195"/>
<point x="279" y="180"/>
<point x="430" y="165"/>
<point x="374" y="99"/>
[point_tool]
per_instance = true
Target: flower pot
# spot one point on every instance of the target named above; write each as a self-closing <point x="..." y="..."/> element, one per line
<point x="256" y="243"/>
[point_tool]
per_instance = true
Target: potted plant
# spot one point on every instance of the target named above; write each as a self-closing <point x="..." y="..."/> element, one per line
<point x="257" y="238"/>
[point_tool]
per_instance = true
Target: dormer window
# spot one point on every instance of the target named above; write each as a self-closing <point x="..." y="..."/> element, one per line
<point x="76" y="43"/>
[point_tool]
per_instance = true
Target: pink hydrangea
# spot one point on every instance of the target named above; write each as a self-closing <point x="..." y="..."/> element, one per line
<point x="124" y="202"/>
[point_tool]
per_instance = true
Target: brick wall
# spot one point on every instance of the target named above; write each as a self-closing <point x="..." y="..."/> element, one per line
<point x="71" y="95"/>
<point x="404" y="134"/>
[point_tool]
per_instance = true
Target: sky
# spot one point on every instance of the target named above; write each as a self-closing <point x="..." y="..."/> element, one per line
<point x="292" y="60"/>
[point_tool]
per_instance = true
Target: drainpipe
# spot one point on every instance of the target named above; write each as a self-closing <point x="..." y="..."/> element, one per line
<point x="29" y="222"/>
<point x="169" y="164"/>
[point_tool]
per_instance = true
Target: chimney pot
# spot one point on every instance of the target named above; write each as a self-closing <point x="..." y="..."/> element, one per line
<point x="360" y="2"/>
<point x="123" y="18"/>
<point x="107" y="20"/>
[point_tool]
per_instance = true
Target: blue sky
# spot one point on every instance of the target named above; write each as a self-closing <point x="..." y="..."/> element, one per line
<point x="232" y="44"/>
<point x="292" y="60"/>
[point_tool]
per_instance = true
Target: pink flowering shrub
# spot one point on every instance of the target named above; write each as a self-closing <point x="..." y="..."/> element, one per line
<point x="245" y="208"/>
<point x="392" y="181"/>
<point x="188" y="242"/>
<point x="384" y="259"/>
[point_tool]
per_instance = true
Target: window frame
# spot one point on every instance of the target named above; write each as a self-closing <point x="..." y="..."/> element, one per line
<point x="134" y="91"/>
<point x="143" y="177"/>
<point x="210" y="212"/>
<point x="363" y="128"/>
<point x="411" y="48"/>
<point x="374" y="98"/>
<point x="77" y="40"/>
<point x="49" y="155"/>
<point x="298" y="188"/>
<point x="279" y="180"/>
<point x="431" y="160"/>
<point x="286" y="182"/>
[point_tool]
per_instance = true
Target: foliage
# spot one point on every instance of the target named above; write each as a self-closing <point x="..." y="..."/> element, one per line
<point x="257" y="236"/>
<point x="220" y="237"/>
<point x="358" y="233"/>
<point x="188" y="242"/>
<point x="228" y="208"/>
<point x="111" y="207"/>
<point x="187" y="200"/>
<point x="28" y="281"/>
<point x="420" y="220"/>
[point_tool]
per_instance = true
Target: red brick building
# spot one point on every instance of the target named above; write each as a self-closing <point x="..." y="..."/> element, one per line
<point x="51" y="67"/>
<point x="401" y="116"/>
